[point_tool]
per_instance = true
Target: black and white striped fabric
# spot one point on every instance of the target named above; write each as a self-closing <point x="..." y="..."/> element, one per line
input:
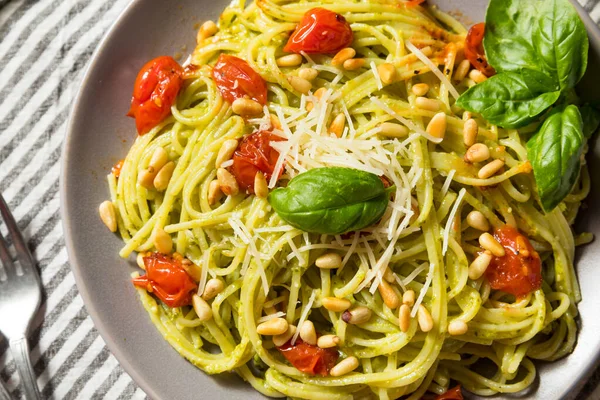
<point x="44" y="47"/>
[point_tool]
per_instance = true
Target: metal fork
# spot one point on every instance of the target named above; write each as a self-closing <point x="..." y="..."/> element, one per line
<point x="20" y="297"/>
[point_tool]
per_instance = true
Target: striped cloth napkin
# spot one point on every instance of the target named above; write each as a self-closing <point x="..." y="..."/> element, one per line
<point x="44" y="47"/>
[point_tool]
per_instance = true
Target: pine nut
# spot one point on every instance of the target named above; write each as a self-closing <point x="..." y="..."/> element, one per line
<point x="338" y="124"/>
<point x="300" y="84"/>
<point x="387" y="73"/>
<point x="490" y="243"/>
<point x="261" y="189"/>
<point x="208" y="29"/>
<point x="404" y="317"/>
<point x="328" y="341"/>
<point x="457" y="327"/>
<point x="480" y="265"/>
<point x="424" y="318"/>
<point x="388" y="275"/>
<point x="272" y="327"/>
<point x="146" y="177"/>
<point x="290" y="60"/>
<point x="427" y="104"/>
<point x="308" y="332"/>
<point x="470" y="132"/>
<point x="477" y="76"/>
<point x="336" y="305"/>
<point x="490" y="169"/>
<point x="390" y="129"/>
<point x="345" y="366"/>
<point x="213" y="287"/>
<point x="342" y="56"/>
<point x="467" y="115"/>
<point x="192" y="269"/>
<point x="159" y="158"/>
<point x="318" y="94"/>
<point x="214" y="192"/>
<point x="308" y="73"/>
<point x="354" y="63"/>
<point x="477" y="220"/>
<point x="227" y="182"/>
<point x="244" y="106"/>
<point x="140" y="260"/>
<point x="420" y="89"/>
<point x="163" y="177"/>
<point x="275" y="123"/>
<point x="329" y="261"/>
<point x="108" y="215"/>
<point x="389" y="296"/>
<point x="408" y="298"/>
<point x="356" y="316"/>
<point x="162" y="241"/>
<point x="437" y="126"/>
<point x="203" y="310"/>
<point x="462" y="70"/>
<point x="226" y="151"/>
<point x="280" y="340"/>
<point x="479" y="152"/>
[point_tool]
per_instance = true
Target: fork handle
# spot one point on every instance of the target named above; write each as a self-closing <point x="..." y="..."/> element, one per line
<point x="20" y="352"/>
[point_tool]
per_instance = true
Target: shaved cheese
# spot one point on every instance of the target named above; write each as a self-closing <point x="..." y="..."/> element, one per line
<point x="399" y="281"/>
<point x="203" y="272"/>
<point x="405" y="121"/>
<point x="227" y="164"/>
<point x="376" y="75"/>
<point x="447" y="183"/>
<point x="434" y="68"/>
<point x="350" y="250"/>
<point x="295" y="252"/>
<point x="416" y="272"/>
<point x="242" y="232"/>
<point x="269" y="317"/>
<point x="304" y="314"/>
<point x="348" y="119"/>
<point x="310" y="60"/>
<point x="282" y="228"/>
<point x="423" y="291"/>
<point x="461" y="194"/>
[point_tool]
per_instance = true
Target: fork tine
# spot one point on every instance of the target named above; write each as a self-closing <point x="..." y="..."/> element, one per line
<point x="5" y="258"/>
<point x="23" y="252"/>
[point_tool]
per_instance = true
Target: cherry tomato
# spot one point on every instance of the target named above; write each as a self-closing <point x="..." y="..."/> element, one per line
<point x="308" y="358"/>
<point x="519" y="272"/>
<point x="254" y="154"/>
<point x="235" y="78"/>
<point x="451" y="394"/>
<point x="166" y="278"/>
<point x="474" y="50"/>
<point x="320" y="31"/>
<point x="116" y="169"/>
<point x="154" y="92"/>
<point x="413" y="3"/>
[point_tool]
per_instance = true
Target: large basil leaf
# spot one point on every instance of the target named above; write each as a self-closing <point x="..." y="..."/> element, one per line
<point x="511" y="99"/>
<point x="331" y="200"/>
<point x="554" y="153"/>
<point x="591" y="120"/>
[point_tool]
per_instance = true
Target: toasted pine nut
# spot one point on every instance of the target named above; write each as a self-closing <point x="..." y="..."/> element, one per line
<point x="427" y="51"/>
<point x="391" y="129"/>
<point x="477" y="76"/>
<point x="308" y="73"/>
<point x="300" y="84"/>
<point x="490" y="243"/>
<point x="329" y="261"/>
<point x="163" y="177"/>
<point x="343" y="55"/>
<point x="437" y="126"/>
<point x="388" y="275"/>
<point x="457" y="327"/>
<point x="522" y="248"/>
<point x="389" y="296"/>
<point x="308" y="332"/>
<point x="213" y="287"/>
<point x="408" y="298"/>
<point x="243" y="106"/>
<point x="477" y="220"/>
<point x="328" y="341"/>
<point x="470" y="131"/>
<point x="208" y="29"/>
<point x="203" y="310"/>
<point x="354" y="63"/>
<point x="318" y="94"/>
<point x="479" y="152"/>
<point x="290" y="60"/>
<point x="140" y="260"/>
<point x="192" y="269"/>
<point x="272" y="327"/>
<point x="345" y="366"/>
<point x="336" y="305"/>
<point x="162" y="241"/>
<point x="404" y="317"/>
<point x="338" y="124"/>
<point x="424" y="318"/>
<point x="462" y="70"/>
<point x="226" y="151"/>
<point x="146" y="177"/>
<point x="214" y="192"/>
<point x="108" y="215"/>
<point x="420" y="89"/>
<point x="428" y="104"/>
<point x="387" y="73"/>
<point x="227" y="182"/>
<point x="159" y="158"/>
<point x="490" y="169"/>
<point x="280" y="340"/>
<point x="480" y="265"/>
<point x="356" y="316"/>
<point x="275" y="123"/>
<point x="467" y="115"/>
<point x="261" y="189"/>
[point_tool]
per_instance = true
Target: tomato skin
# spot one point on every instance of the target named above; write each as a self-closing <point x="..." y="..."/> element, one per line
<point x="475" y="52"/>
<point x="320" y="32"/>
<point x="235" y="79"/>
<point x="166" y="278"/>
<point x="154" y="92"/>
<point x="519" y="272"/>
<point x="451" y="394"/>
<point x="308" y="358"/>
<point x="413" y="3"/>
<point x="254" y="154"/>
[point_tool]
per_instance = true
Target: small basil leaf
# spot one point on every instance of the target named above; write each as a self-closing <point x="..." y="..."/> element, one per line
<point x="554" y="153"/>
<point x="591" y="120"/>
<point x="331" y="200"/>
<point x="511" y="99"/>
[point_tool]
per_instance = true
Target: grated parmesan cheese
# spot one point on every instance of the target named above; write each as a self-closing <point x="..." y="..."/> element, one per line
<point x="376" y="75"/>
<point x="447" y="183"/>
<point x="451" y="217"/>
<point x="304" y="314"/>
<point x="423" y="291"/>
<point x="266" y="318"/>
<point x="434" y="68"/>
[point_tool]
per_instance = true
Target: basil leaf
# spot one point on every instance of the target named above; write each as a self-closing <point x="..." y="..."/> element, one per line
<point x="554" y="153"/>
<point x="511" y="99"/>
<point x="591" y="120"/>
<point x="331" y="200"/>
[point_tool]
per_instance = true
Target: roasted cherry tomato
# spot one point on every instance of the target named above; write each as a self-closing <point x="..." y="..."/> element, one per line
<point x="166" y="278"/>
<point x="519" y="272"/>
<point x="155" y="90"/>
<point x="235" y="78"/>
<point x="308" y="358"/>
<point x="451" y="394"/>
<point x="413" y="3"/>
<point x="116" y="169"/>
<point x="254" y="154"/>
<point x="474" y="50"/>
<point x="320" y="31"/>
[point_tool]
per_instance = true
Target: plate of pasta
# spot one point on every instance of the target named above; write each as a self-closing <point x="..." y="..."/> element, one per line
<point x="340" y="199"/>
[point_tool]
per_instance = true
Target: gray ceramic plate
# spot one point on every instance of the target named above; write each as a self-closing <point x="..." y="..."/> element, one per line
<point x="99" y="134"/>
